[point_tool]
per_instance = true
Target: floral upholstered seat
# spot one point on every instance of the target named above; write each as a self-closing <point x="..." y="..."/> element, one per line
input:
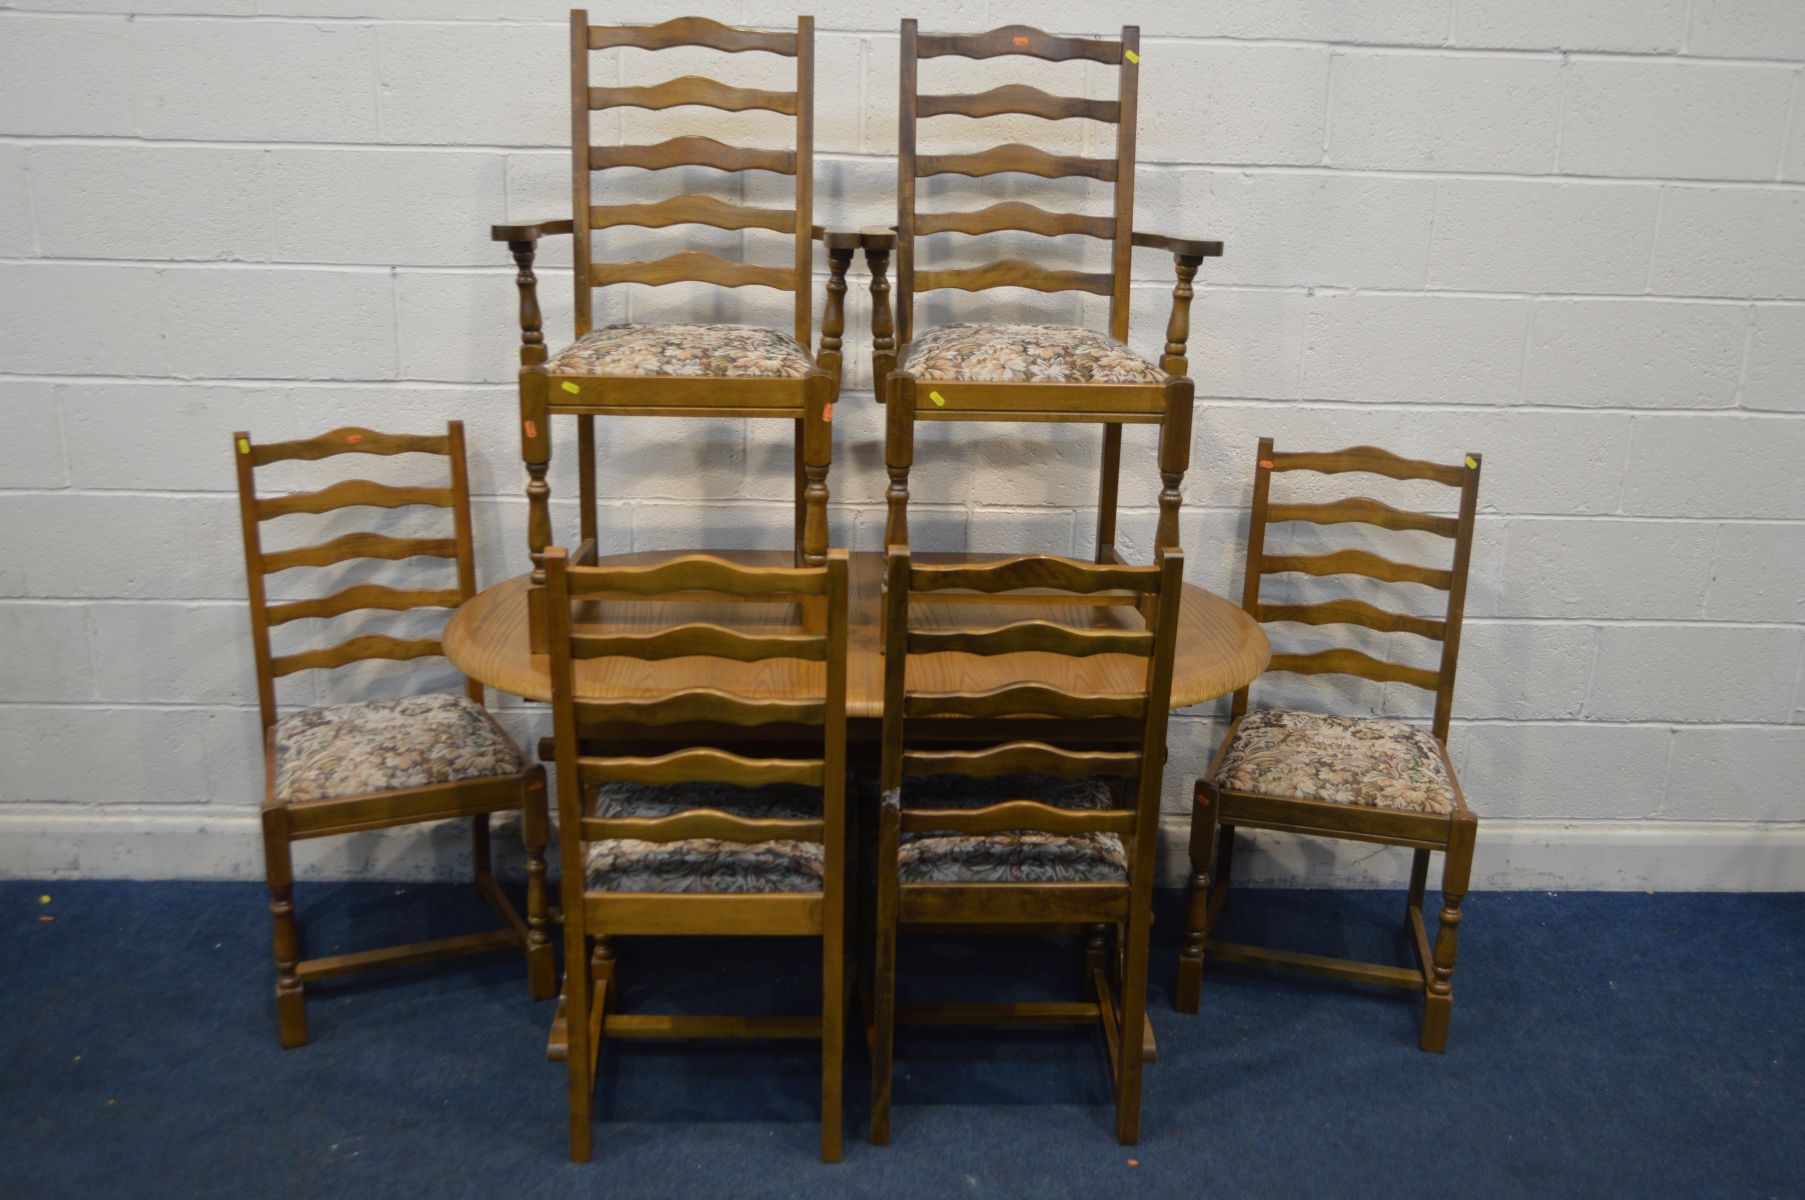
<point x="1343" y="760"/>
<point x="984" y="353"/>
<point x="1016" y="856"/>
<point x="719" y="351"/>
<point x="706" y="864"/>
<point x="381" y="745"/>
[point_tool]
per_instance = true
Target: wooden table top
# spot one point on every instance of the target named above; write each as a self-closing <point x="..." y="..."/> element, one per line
<point x="1220" y="648"/>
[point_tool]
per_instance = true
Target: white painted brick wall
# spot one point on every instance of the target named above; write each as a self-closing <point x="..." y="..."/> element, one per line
<point x="1569" y="235"/>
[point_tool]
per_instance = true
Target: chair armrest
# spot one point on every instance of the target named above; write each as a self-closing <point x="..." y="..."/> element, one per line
<point x="835" y="237"/>
<point x="530" y="231"/>
<point x="1187" y="255"/>
<point x="1179" y="247"/>
<point x="523" y="244"/>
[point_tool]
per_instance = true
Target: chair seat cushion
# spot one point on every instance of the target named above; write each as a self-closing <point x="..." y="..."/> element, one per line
<point x="382" y="745"/>
<point x="719" y="351"/>
<point x="1026" y="354"/>
<point x="706" y="864"/>
<point x="1343" y="760"/>
<point x="1014" y="856"/>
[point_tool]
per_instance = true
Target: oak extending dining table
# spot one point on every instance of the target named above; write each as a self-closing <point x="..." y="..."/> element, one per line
<point x="1220" y="647"/>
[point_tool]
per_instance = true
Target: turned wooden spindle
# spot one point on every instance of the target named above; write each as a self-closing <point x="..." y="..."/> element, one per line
<point x="1178" y="326"/>
<point x="833" y="316"/>
<point x="532" y="337"/>
<point x="883" y="325"/>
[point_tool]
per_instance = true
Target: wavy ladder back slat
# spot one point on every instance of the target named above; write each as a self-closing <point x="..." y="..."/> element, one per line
<point x="1042" y="726"/>
<point x="254" y="510"/>
<point x="1463" y="477"/>
<point x="719" y="737"/>
<point x="684" y="92"/>
<point x="947" y="384"/>
<point x="625" y="374"/>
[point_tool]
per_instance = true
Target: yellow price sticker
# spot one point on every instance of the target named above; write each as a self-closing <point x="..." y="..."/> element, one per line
<point x="244" y="445"/>
<point x="1472" y="463"/>
<point x="1131" y="56"/>
<point x="572" y="388"/>
<point x="938" y="399"/>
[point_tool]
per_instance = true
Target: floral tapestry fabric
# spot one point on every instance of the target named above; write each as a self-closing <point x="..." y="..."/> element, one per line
<point x="982" y="353"/>
<point x="706" y="864"/>
<point x="1015" y="856"/>
<point x="381" y="745"/>
<point x="1343" y="760"/>
<point x="718" y="351"/>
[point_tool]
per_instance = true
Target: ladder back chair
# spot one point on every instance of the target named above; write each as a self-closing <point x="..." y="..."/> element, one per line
<point x="1032" y="805"/>
<point x="1010" y="372"/>
<point x="680" y="370"/>
<point x="344" y="768"/>
<point x="700" y="839"/>
<point x="1359" y="778"/>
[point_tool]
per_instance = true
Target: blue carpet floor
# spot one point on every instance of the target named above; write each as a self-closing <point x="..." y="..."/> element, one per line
<point x="1620" y="1044"/>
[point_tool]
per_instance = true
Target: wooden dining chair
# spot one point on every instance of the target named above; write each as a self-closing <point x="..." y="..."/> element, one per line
<point x="345" y="768"/>
<point x="1029" y="372"/>
<point x="1357" y="778"/>
<point x="729" y="833"/>
<point x="681" y="370"/>
<point x="1035" y="804"/>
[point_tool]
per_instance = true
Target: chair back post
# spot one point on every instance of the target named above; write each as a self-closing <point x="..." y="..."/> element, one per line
<point x="805" y="175"/>
<point x="466" y="533"/>
<point x="1457" y="593"/>
<point x="253" y="577"/>
<point x="1256" y="551"/>
<point x="1128" y="76"/>
<point x="580" y="167"/>
<point x="907" y="83"/>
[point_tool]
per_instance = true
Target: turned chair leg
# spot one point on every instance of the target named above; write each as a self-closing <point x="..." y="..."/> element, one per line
<point x="291" y="1011"/>
<point x="579" y="1058"/>
<point x="1438" y="1001"/>
<point x="1189" y="991"/>
<point x="1130" y="1053"/>
<point x="833" y="1039"/>
<point x="535" y="831"/>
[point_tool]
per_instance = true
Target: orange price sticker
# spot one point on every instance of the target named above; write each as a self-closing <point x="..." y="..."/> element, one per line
<point x="827" y="412"/>
<point x="1265" y="464"/>
<point x="532" y="429"/>
<point x="1019" y="41"/>
<point x="351" y="439"/>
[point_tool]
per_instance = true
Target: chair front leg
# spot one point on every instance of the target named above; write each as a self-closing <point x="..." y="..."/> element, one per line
<point x="1178" y="324"/>
<point x="899" y="455"/>
<point x="1204" y="830"/>
<point x="278" y="862"/>
<point x="1457" y="869"/>
<point x="1174" y="460"/>
<point x="817" y="455"/>
<point x="883" y="991"/>
<point x="535" y="832"/>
